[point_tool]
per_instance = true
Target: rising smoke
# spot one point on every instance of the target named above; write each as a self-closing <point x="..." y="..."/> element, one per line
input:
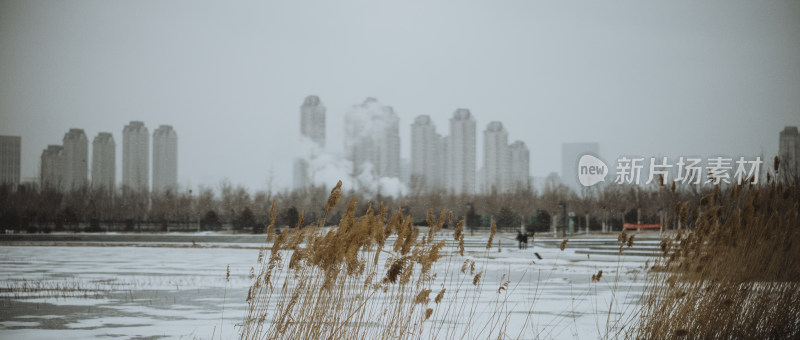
<point x="371" y="161"/>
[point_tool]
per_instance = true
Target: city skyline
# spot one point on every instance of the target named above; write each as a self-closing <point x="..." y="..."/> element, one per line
<point x="373" y="146"/>
<point x="640" y="79"/>
<point x="66" y="166"/>
<point x="505" y="168"/>
<point x="36" y="175"/>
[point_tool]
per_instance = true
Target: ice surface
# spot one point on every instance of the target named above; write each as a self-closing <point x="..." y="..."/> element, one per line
<point x="180" y="292"/>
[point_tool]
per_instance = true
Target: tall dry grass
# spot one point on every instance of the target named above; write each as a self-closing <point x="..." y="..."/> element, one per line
<point x="736" y="274"/>
<point x="352" y="281"/>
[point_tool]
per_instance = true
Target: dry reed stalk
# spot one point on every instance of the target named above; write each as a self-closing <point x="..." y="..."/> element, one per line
<point x="345" y="282"/>
<point x="271" y="227"/>
<point x="735" y="275"/>
<point x="492" y="231"/>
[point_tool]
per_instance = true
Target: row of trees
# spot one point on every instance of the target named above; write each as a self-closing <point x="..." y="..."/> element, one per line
<point x="603" y="207"/>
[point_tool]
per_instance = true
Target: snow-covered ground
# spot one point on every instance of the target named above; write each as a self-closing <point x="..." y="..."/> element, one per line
<point x="152" y="292"/>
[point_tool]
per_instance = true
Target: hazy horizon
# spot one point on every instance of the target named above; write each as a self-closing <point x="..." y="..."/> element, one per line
<point x="666" y="79"/>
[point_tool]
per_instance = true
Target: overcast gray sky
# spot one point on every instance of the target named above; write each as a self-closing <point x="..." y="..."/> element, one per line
<point x="643" y="78"/>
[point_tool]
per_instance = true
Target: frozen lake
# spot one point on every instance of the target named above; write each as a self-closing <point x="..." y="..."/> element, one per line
<point x="80" y="292"/>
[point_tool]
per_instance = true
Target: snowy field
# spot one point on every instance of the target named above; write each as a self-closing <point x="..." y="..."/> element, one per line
<point x="76" y="292"/>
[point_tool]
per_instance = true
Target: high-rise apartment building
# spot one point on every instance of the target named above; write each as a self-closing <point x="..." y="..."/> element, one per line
<point x="520" y="165"/>
<point x="52" y="168"/>
<point x="165" y="159"/>
<point x="372" y="139"/>
<point x="104" y="158"/>
<point x="496" y="160"/>
<point x="10" y="147"/>
<point x="312" y="120"/>
<point x="427" y="154"/>
<point x="76" y="159"/>
<point x="312" y="127"/>
<point x="135" y="156"/>
<point x="789" y="153"/>
<point x="461" y="155"/>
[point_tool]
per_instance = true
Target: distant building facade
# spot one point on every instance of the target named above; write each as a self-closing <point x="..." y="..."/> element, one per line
<point x="312" y="120"/>
<point x="312" y="127"/>
<point x="165" y="159"/>
<point x="460" y="168"/>
<point x="76" y="159"/>
<point x="104" y="157"/>
<point x="52" y="168"/>
<point x="135" y="156"/>
<point x="10" y="151"/>
<point x="372" y="139"/>
<point x="496" y="159"/>
<point x="519" y="169"/>
<point x="789" y="153"/>
<point x="427" y="154"/>
<point x="570" y="154"/>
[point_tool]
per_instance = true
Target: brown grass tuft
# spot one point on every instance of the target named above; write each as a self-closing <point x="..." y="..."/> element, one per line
<point x="333" y="198"/>
<point x="623" y="236"/>
<point x="430" y="220"/>
<point x="439" y="296"/>
<point x="422" y="297"/>
<point x="458" y="230"/>
<point x="461" y="245"/>
<point x="477" y="278"/>
<point x="596" y="277"/>
<point x="395" y="269"/>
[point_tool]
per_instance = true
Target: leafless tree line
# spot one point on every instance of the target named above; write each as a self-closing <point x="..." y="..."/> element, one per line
<point x="235" y="207"/>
